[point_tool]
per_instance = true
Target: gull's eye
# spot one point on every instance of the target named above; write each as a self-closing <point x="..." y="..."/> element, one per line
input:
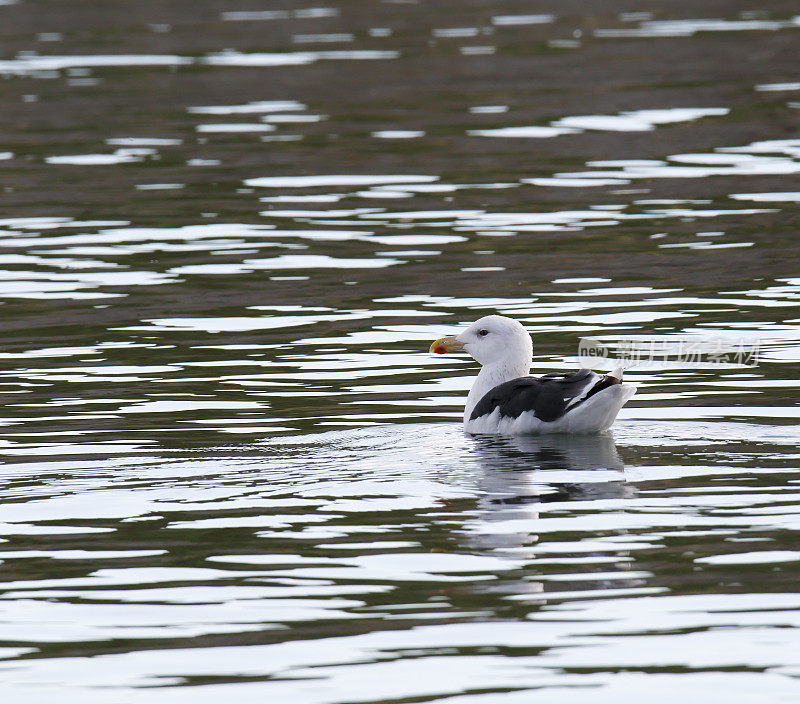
<point x="483" y="333"/>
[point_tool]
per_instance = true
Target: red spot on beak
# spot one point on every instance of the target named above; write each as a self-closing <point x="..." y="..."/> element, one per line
<point x="440" y="350"/>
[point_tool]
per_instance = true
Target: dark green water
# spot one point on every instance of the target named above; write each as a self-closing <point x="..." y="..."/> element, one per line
<point x="230" y="468"/>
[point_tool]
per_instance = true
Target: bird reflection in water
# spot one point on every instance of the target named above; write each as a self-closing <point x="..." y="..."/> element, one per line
<point x="523" y="476"/>
<point x="515" y="468"/>
<point x="520" y="473"/>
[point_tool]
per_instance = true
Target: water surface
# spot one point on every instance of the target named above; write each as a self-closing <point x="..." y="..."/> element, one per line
<point x="228" y="234"/>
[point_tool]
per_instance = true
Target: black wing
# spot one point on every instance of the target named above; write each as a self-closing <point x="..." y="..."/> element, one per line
<point x="549" y="396"/>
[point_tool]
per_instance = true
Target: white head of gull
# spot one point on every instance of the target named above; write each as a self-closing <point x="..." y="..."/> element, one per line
<point x="505" y="400"/>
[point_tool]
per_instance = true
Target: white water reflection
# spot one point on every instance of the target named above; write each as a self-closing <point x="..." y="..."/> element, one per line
<point x="258" y="107"/>
<point x="42" y="285"/>
<point x="236" y="58"/>
<point x="235" y="127"/>
<point x="771" y="157"/>
<point x="143" y="142"/>
<point x="298" y="14"/>
<point x="517" y="20"/>
<point x="631" y="121"/>
<point x="790" y="197"/>
<point x="293" y="119"/>
<point x="29" y="64"/>
<point x="301" y="262"/>
<point x="33" y="64"/>
<point x="488" y="109"/>
<point x="768" y="87"/>
<point x="690" y="27"/>
<point x="120" y="156"/>
<point x="322" y="38"/>
<point x="516" y="132"/>
<point x="335" y="180"/>
<point x="398" y="134"/>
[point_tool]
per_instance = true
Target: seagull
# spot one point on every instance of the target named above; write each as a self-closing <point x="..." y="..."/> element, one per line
<point x="505" y="400"/>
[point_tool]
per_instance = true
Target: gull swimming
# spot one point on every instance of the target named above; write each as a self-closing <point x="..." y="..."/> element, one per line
<point x="505" y="400"/>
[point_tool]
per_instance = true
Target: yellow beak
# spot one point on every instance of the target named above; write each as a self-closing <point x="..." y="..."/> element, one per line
<point x="446" y="344"/>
